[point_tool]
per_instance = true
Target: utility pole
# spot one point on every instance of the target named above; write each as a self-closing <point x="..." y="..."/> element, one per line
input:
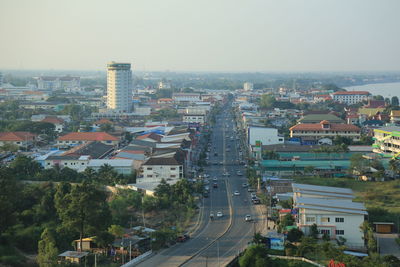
<point x="144" y="224"/>
<point x="218" y="252"/>
<point x="130" y="250"/>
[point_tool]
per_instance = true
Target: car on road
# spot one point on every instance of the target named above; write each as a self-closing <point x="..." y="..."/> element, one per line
<point x="205" y="194"/>
<point x="239" y="173"/>
<point x="182" y="238"/>
<point x="215" y="179"/>
<point x="216" y="154"/>
<point x="221" y="163"/>
<point x="219" y="214"/>
<point x="215" y="185"/>
<point x="253" y="195"/>
<point x="206" y="176"/>
<point x="236" y="193"/>
<point x="225" y="174"/>
<point x="248" y="218"/>
<point x="251" y="190"/>
<point x="244" y="185"/>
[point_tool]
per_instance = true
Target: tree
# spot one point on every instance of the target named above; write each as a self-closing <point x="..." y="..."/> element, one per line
<point x="8" y="198"/>
<point x="84" y="210"/>
<point x="267" y="101"/>
<point x="395" y="101"/>
<point x="358" y="164"/>
<point x="294" y="235"/>
<point x="47" y="250"/>
<point x="314" y="231"/>
<point x="9" y="147"/>
<point x="106" y="127"/>
<point x="116" y="230"/>
<point x="378" y="97"/>
<point x="255" y="256"/>
<point x="25" y="167"/>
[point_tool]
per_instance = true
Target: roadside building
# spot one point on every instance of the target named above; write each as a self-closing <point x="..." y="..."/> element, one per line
<point x="194" y="119"/>
<point x="311" y="133"/>
<point x="186" y="97"/>
<point x="265" y="135"/>
<point x="332" y="210"/>
<point x="157" y="168"/>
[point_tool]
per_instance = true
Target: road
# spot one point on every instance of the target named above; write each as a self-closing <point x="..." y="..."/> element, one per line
<point x="217" y="241"/>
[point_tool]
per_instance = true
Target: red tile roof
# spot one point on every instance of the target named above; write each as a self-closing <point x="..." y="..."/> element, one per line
<point x="153" y="136"/>
<point x="88" y="136"/>
<point x="17" y="136"/>
<point x="318" y="127"/>
<point x="103" y="121"/>
<point x="53" y="120"/>
<point x="351" y="93"/>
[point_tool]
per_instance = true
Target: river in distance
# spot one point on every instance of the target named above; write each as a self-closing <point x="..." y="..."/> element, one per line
<point x="383" y="89"/>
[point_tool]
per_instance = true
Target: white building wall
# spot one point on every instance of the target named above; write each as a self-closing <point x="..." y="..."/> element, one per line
<point x="268" y="136"/>
<point x="119" y="87"/>
<point x="154" y="173"/>
<point x="350" y="225"/>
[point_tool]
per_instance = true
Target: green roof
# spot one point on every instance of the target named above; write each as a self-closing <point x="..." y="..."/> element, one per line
<point x="316" y="118"/>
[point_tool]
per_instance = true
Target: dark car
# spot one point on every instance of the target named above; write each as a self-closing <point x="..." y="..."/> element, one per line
<point x="182" y="238"/>
<point x="215" y="185"/>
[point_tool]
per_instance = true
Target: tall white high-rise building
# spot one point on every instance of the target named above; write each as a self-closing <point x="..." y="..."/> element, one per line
<point x="119" y="87"/>
<point x="247" y="86"/>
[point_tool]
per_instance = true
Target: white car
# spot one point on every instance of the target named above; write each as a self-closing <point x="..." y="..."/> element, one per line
<point x="236" y="193"/>
<point x="248" y="218"/>
<point x="219" y="214"/>
<point x="245" y="185"/>
<point x="215" y="179"/>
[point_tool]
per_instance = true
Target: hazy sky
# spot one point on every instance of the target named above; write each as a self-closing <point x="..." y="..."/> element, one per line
<point x="201" y="35"/>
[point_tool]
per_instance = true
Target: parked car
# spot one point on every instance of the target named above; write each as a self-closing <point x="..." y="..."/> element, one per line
<point x="251" y="190"/>
<point x="244" y="185"/>
<point x="182" y="238"/>
<point x="248" y="218"/>
<point x="219" y="214"/>
<point x="215" y="185"/>
<point x="236" y="193"/>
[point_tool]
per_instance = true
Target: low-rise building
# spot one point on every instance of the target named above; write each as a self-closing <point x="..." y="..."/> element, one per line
<point x="350" y="97"/>
<point x="387" y="141"/>
<point x="311" y="133"/>
<point x="76" y="138"/>
<point x="332" y="210"/>
<point x="194" y="118"/>
<point x="20" y="139"/>
<point x="57" y="122"/>
<point x="157" y="168"/>
<point x="265" y="135"/>
<point x="395" y="116"/>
